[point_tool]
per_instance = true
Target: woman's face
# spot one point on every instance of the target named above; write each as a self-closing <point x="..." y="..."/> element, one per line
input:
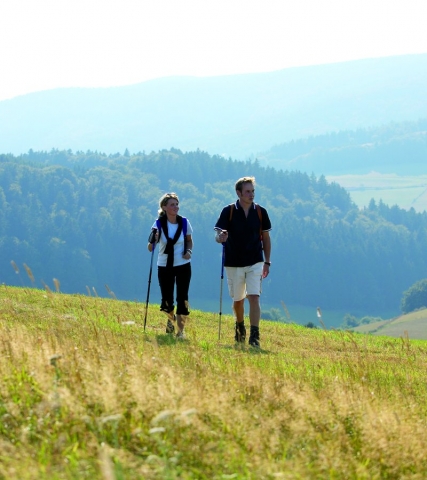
<point x="172" y="206"/>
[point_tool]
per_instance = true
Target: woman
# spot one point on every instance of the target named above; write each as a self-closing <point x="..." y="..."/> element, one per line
<point x="173" y="233"/>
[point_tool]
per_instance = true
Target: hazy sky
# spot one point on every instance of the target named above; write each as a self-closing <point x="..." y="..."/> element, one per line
<point x="46" y="44"/>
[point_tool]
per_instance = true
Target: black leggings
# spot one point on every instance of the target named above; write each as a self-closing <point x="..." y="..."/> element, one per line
<point x="180" y="275"/>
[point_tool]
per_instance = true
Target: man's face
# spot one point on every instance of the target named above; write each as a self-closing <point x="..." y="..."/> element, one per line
<point x="247" y="194"/>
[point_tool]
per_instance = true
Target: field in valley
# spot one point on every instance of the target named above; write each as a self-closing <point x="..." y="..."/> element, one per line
<point x="405" y="191"/>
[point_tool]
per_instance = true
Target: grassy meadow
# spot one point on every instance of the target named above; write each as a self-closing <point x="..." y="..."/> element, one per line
<point x="86" y="393"/>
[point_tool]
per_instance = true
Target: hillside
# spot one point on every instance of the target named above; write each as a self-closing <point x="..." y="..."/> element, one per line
<point x="87" y="393"/>
<point x="235" y="116"/>
<point x="84" y="219"/>
<point x="412" y="325"/>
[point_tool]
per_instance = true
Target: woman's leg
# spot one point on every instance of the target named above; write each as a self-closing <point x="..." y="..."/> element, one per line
<point x="183" y="277"/>
<point x="166" y="283"/>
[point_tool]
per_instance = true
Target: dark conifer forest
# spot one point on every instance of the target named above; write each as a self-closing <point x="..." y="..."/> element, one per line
<point x="84" y="219"/>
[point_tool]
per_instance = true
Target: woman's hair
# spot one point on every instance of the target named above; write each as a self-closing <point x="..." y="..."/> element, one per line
<point x="241" y="181"/>
<point x="164" y="199"/>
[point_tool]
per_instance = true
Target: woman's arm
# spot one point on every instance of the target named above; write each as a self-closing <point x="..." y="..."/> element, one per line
<point x="188" y="253"/>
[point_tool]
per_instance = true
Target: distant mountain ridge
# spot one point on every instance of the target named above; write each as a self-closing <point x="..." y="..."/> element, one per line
<point x="236" y="116"/>
<point x="399" y="148"/>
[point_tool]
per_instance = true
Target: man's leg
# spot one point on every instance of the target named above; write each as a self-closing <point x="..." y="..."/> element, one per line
<point x="253" y="286"/>
<point x="239" y="310"/>
<point x="237" y="289"/>
<point x="254" y="317"/>
<point x="254" y="310"/>
<point x="239" y="313"/>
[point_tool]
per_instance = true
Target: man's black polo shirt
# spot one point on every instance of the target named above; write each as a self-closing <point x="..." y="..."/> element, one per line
<point x="243" y="247"/>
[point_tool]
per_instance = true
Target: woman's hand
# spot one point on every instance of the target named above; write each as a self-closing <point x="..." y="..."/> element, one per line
<point x="154" y="238"/>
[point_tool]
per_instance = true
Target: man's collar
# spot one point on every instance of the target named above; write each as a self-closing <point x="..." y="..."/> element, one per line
<point x="237" y="204"/>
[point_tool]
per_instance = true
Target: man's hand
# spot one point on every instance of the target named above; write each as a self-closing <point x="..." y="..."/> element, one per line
<point x="221" y="235"/>
<point x="265" y="270"/>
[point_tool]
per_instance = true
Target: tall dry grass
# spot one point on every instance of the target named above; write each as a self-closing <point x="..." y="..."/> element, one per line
<point x="86" y="393"/>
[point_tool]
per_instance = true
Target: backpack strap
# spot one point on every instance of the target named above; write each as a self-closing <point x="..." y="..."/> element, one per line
<point x="260" y="218"/>
<point x="231" y="212"/>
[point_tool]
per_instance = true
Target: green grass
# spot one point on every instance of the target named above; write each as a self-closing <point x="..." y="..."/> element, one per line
<point x="87" y="393"/>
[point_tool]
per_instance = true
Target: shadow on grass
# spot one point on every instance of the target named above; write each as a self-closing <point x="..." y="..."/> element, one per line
<point x="167" y="339"/>
<point x="246" y="348"/>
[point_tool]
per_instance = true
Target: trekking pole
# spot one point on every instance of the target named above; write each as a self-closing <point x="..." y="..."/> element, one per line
<point x="220" y="291"/>
<point x="149" y="281"/>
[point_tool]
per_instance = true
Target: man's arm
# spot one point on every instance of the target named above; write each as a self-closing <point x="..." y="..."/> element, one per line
<point x="221" y="226"/>
<point x="266" y="242"/>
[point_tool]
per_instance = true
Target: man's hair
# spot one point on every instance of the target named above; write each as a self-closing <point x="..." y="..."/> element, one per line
<point x="243" y="180"/>
<point x="164" y="199"/>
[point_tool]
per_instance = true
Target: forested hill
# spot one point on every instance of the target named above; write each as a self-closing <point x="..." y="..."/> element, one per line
<point x="234" y="115"/>
<point x="399" y="148"/>
<point x="84" y="219"/>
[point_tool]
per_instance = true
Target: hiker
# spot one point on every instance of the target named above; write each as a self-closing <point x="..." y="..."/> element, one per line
<point x="173" y="233"/>
<point x="244" y="229"/>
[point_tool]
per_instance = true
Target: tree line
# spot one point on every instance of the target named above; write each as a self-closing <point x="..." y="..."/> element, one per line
<point x="84" y="218"/>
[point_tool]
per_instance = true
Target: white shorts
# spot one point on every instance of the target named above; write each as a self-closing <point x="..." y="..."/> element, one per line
<point x="243" y="281"/>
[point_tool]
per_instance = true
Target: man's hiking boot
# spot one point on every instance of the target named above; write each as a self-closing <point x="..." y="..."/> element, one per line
<point x="240" y="332"/>
<point x="180" y="335"/>
<point x="170" y="327"/>
<point x="254" y="337"/>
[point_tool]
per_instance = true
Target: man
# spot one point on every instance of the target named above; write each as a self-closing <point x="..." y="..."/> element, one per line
<point x="244" y="228"/>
